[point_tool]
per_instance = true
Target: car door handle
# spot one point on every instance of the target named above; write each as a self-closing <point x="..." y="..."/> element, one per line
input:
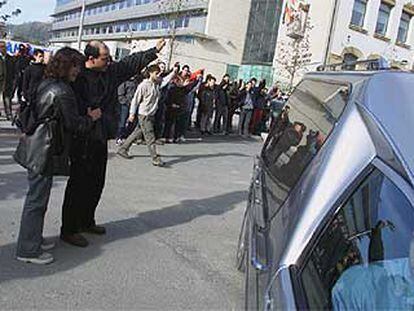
<point x="255" y="261"/>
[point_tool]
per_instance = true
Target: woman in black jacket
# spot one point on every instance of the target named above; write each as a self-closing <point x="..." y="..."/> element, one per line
<point x="56" y="106"/>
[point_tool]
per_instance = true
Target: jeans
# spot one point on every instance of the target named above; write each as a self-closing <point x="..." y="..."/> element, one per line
<point x="244" y="122"/>
<point x="124" y="111"/>
<point x="222" y="113"/>
<point x="32" y="220"/>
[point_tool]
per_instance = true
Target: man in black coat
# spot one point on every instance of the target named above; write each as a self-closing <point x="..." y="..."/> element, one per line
<point x="33" y="75"/>
<point x="96" y="87"/>
<point x="7" y="79"/>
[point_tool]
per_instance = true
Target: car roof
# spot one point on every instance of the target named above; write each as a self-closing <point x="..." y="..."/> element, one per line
<point x="387" y="96"/>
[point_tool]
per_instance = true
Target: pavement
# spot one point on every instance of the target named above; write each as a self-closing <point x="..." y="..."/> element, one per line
<point x="171" y="240"/>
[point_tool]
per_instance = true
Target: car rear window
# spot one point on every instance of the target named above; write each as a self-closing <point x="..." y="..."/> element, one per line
<point x="299" y="132"/>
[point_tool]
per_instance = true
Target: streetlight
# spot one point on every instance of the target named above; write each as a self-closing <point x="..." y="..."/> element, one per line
<point x="82" y="17"/>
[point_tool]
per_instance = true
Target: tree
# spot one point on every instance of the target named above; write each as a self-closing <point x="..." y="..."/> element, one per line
<point x="4" y="17"/>
<point x="293" y="53"/>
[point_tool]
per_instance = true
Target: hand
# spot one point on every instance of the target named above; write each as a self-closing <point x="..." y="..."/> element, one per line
<point x="160" y="44"/>
<point x="95" y="114"/>
<point x="131" y="118"/>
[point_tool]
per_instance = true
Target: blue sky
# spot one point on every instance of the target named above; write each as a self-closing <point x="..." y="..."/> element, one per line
<point x="32" y="10"/>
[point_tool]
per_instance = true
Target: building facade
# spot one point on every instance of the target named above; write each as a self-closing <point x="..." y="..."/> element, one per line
<point x="231" y="36"/>
<point x="349" y="30"/>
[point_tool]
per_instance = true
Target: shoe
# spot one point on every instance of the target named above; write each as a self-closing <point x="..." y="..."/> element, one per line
<point x="170" y="141"/>
<point x="123" y="153"/>
<point x="75" y="239"/>
<point x="160" y="142"/>
<point x="47" y="246"/>
<point x="158" y="162"/>
<point x="119" y="142"/>
<point x="209" y="133"/>
<point x="42" y="259"/>
<point x="182" y="139"/>
<point x="95" y="230"/>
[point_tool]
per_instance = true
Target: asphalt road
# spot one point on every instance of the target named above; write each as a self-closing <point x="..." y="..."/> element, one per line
<point x="171" y="238"/>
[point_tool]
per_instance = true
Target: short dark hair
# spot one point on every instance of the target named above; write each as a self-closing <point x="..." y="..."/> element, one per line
<point x="92" y="49"/>
<point x="38" y="51"/>
<point x="61" y="63"/>
<point x="211" y="78"/>
<point x="186" y="66"/>
<point x="153" y="68"/>
<point x="253" y="79"/>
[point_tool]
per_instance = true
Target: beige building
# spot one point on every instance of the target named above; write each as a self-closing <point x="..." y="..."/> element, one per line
<point x="223" y="36"/>
<point x="348" y="30"/>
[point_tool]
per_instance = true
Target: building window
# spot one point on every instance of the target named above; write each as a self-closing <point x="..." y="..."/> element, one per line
<point x="154" y="25"/>
<point x="404" y="27"/>
<point x="349" y="60"/>
<point x="358" y="13"/>
<point x="383" y="18"/>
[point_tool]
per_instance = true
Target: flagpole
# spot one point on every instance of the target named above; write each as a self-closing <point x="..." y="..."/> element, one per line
<point x="82" y="17"/>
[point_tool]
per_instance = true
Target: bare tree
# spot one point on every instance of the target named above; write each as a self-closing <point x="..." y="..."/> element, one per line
<point x="293" y="54"/>
<point x="4" y="17"/>
<point x="172" y="11"/>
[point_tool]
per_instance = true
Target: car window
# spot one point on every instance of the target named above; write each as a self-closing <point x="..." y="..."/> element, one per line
<point x="298" y="133"/>
<point x="362" y="260"/>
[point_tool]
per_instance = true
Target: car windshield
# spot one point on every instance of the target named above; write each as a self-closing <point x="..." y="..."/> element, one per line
<point x="298" y="133"/>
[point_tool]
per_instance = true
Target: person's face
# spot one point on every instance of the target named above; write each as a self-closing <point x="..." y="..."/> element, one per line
<point x="249" y="86"/>
<point x="185" y="72"/>
<point x="3" y="48"/>
<point x="39" y="58"/>
<point x="253" y="83"/>
<point x="73" y="72"/>
<point x="211" y="83"/>
<point x="226" y="79"/>
<point x="162" y="67"/>
<point x="103" y="59"/>
<point x="154" y="75"/>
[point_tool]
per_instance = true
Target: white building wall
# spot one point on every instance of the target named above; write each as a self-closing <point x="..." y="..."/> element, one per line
<point x="346" y="39"/>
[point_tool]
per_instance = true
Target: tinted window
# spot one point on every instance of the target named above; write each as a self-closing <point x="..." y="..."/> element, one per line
<point x="362" y="260"/>
<point x="298" y="134"/>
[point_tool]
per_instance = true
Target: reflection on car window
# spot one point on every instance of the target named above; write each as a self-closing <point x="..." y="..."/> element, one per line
<point x="362" y="261"/>
<point x="299" y="132"/>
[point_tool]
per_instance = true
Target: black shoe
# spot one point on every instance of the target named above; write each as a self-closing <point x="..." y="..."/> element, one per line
<point x="99" y="230"/>
<point x="75" y="239"/>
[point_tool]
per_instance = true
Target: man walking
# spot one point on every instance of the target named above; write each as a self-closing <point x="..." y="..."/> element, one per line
<point x="7" y="77"/>
<point x="146" y="102"/>
<point x="96" y="87"/>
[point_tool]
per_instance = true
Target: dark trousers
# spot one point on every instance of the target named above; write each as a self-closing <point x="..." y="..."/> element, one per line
<point x="170" y="123"/>
<point x="85" y="185"/>
<point x="7" y="105"/>
<point x="181" y="124"/>
<point x="159" y="120"/>
<point x="244" y="122"/>
<point x="122" y="126"/>
<point x="33" y="215"/>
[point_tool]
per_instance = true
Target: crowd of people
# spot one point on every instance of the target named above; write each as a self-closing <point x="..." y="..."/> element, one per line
<point x="73" y="105"/>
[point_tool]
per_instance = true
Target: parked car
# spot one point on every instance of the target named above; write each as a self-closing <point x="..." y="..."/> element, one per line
<point x="330" y="218"/>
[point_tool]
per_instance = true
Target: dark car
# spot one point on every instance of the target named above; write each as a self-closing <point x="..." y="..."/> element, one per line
<point x="330" y="219"/>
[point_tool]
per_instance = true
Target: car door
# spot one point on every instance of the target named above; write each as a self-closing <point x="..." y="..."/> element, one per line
<point x="295" y="138"/>
<point x="362" y="258"/>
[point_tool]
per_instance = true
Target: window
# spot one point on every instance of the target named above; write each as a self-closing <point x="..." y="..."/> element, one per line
<point x="404" y="27"/>
<point x="298" y="134"/>
<point x="154" y="25"/>
<point x="349" y="58"/>
<point x="358" y="13"/>
<point x="362" y="259"/>
<point x="383" y="17"/>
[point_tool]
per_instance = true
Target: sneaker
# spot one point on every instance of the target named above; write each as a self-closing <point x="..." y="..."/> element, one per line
<point x="95" y="230"/>
<point x="158" y="162"/>
<point x="182" y="139"/>
<point x="170" y="141"/>
<point x="75" y="239"/>
<point x="119" y="142"/>
<point x="159" y="142"/>
<point x="47" y="246"/>
<point x="42" y="259"/>
<point x="123" y="153"/>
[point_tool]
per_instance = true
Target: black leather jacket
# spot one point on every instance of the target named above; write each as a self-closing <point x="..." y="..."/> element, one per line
<point x="56" y="99"/>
